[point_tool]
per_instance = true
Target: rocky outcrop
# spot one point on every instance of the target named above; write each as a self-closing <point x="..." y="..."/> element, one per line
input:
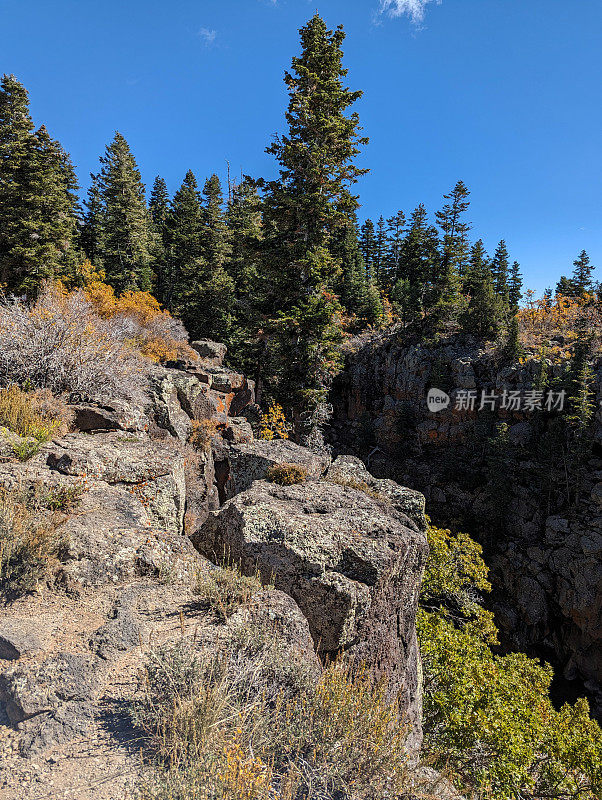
<point x="250" y="461"/>
<point x="544" y="553"/>
<point x="346" y="563"/>
<point x="352" y="563"/>
<point x="351" y="471"/>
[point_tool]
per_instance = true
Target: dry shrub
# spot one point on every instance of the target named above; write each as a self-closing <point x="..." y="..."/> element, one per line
<point x="286" y="474"/>
<point x="60" y="343"/>
<point x="225" y="590"/>
<point x="30" y="541"/>
<point x="221" y="731"/>
<point x="153" y="331"/>
<point x="37" y="414"/>
<point x="202" y="432"/>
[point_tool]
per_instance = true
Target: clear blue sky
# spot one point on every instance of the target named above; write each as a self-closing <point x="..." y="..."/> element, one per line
<point x="505" y="94"/>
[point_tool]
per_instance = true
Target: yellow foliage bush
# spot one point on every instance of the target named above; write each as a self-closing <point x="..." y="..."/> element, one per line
<point x="157" y="335"/>
<point x="543" y="319"/>
<point x="273" y="424"/>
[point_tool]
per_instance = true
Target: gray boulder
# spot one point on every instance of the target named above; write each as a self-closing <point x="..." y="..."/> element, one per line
<point x="352" y="564"/>
<point x="350" y="471"/>
<point x="210" y="351"/>
<point x="250" y="461"/>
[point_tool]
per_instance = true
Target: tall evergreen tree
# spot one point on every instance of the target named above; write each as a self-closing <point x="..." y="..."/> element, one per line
<point x="501" y="270"/>
<point x="38" y="198"/>
<point x="183" y="249"/>
<point x="454" y="252"/>
<point x="368" y="247"/>
<point x="395" y="233"/>
<point x="515" y="292"/>
<point x="92" y="221"/>
<point x="380" y="253"/>
<point x="304" y="211"/>
<point x="158" y="207"/>
<point x="216" y="237"/>
<point x="484" y="314"/>
<point x="124" y="235"/>
<point x="414" y="289"/>
<point x="201" y="292"/>
<point x="582" y="279"/>
<point x="478" y="267"/>
<point x="158" y="204"/>
<point x="245" y="226"/>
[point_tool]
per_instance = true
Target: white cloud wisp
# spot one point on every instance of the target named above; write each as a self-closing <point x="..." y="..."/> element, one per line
<point x="411" y="8"/>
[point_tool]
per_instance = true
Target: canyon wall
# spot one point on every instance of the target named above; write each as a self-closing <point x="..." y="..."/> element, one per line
<point x="537" y="511"/>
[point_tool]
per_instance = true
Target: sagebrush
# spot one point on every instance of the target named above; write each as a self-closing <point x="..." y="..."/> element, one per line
<point x="31" y="541"/>
<point x="240" y="727"/>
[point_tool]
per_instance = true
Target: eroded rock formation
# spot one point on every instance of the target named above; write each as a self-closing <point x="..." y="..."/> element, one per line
<point x="346" y="562"/>
<point x="545" y="553"/>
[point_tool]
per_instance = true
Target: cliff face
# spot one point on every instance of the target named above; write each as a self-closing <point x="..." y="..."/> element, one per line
<point x="540" y="523"/>
<point x="150" y="515"/>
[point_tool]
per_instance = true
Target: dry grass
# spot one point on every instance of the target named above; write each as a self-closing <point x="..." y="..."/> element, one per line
<point x="225" y="590"/>
<point x="31" y="543"/>
<point x="37" y="414"/>
<point x="222" y="729"/>
<point x="286" y="474"/>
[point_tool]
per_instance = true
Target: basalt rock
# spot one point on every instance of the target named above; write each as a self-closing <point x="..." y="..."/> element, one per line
<point x="352" y="563"/>
<point x="544" y="551"/>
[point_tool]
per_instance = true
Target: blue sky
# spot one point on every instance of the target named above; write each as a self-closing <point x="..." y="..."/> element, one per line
<point x="505" y="94"/>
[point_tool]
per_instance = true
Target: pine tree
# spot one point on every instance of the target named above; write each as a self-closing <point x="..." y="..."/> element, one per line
<point x="500" y="267"/>
<point x="304" y="213"/>
<point x="565" y="287"/>
<point x="183" y="250"/>
<point x="92" y="221"/>
<point x="515" y="286"/>
<point x="368" y="247"/>
<point x="478" y="266"/>
<point x="484" y="314"/>
<point x="414" y="289"/>
<point x="380" y="253"/>
<point x="582" y="279"/>
<point x="454" y="254"/>
<point x="395" y="234"/>
<point x="201" y="293"/>
<point x="124" y="236"/>
<point x="158" y="207"/>
<point x="216" y="238"/>
<point x="38" y="198"/>
<point x="158" y="204"/>
<point x="245" y="226"/>
<point x="513" y="349"/>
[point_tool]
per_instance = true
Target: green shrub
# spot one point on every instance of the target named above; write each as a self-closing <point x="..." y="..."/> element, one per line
<point x="286" y="474"/>
<point x="489" y="718"/>
<point x="360" y="486"/>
